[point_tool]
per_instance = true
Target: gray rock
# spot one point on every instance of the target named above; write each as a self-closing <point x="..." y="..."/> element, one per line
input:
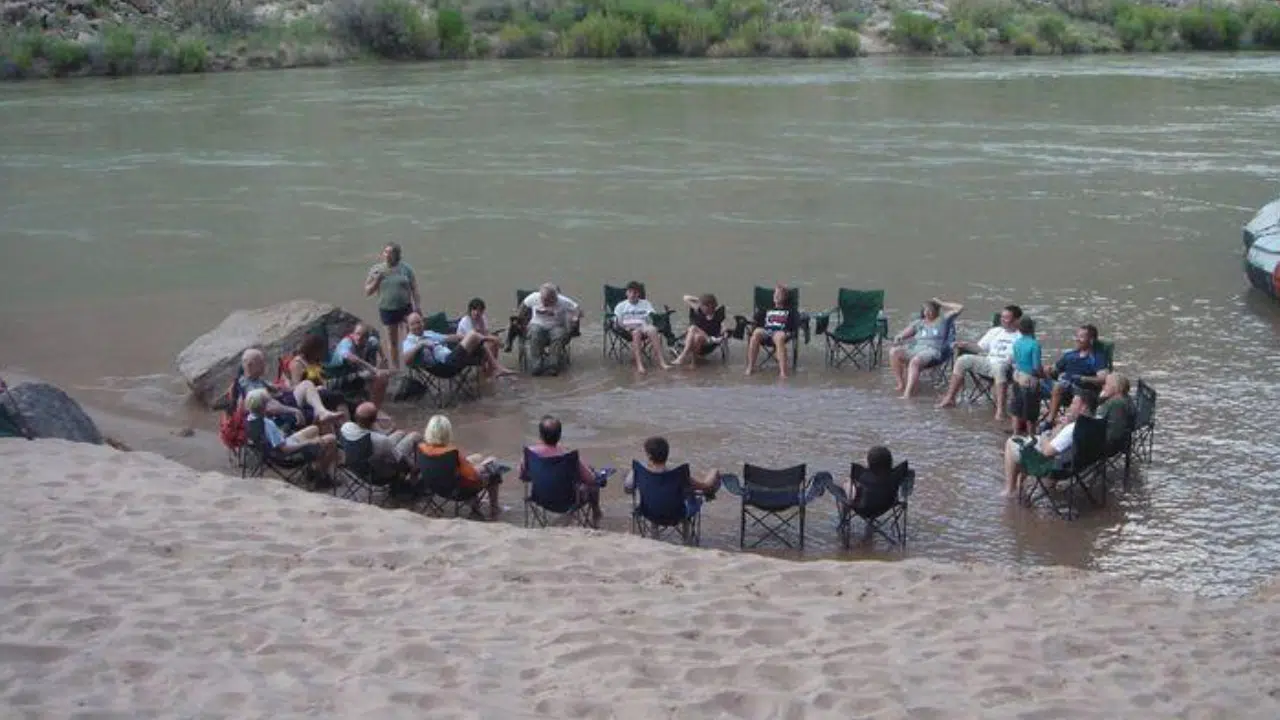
<point x="48" y="412"/>
<point x="209" y="364"/>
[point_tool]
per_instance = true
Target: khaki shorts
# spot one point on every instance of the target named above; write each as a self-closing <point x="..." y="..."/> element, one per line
<point x="982" y="365"/>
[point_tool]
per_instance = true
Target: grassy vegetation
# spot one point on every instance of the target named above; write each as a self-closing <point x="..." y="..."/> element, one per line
<point x="222" y="34"/>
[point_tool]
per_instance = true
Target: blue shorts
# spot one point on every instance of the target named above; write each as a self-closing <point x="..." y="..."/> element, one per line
<point x="391" y="318"/>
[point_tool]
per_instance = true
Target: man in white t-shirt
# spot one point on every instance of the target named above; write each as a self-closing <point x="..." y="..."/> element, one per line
<point x="988" y="357"/>
<point x="632" y="319"/>
<point x="550" y="317"/>
<point x="1056" y="444"/>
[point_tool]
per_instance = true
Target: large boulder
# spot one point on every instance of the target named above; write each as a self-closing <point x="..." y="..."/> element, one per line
<point x="210" y="363"/>
<point x="46" y="411"/>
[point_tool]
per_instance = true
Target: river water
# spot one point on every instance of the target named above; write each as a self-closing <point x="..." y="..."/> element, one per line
<point x="138" y="213"/>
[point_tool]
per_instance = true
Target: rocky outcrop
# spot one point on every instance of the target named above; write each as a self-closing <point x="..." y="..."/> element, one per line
<point x="210" y="363"/>
<point x="46" y="411"/>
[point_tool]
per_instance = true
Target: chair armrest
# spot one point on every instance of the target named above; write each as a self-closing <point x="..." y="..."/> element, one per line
<point x="882" y="324"/>
<point x="823" y="320"/>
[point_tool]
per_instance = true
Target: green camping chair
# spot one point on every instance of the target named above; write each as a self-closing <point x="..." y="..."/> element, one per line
<point x="617" y="341"/>
<point x="861" y="327"/>
<point x="1084" y="477"/>
<point x="762" y="300"/>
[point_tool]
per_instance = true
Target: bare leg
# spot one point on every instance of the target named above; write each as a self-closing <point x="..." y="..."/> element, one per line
<point x="913" y="377"/>
<point x="393" y="339"/>
<point x="1001" y="396"/>
<point x="898" y="363"/>
<point x="1055" y="401"/>
<point x="378" y="387"/>
<point x="306" y="393"/>
<point x="780" y="349"/>
<point x="1012" y="453"/>
<point x="953" y="389"/>
<point x="688" y="345"/>
<point x="637" y="349"/>
<point x="753" y="349"/>
<point x="655" y="342"/>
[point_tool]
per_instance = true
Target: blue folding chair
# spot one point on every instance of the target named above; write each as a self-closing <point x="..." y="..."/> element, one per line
<point x="551" y="488"/>
<point x="666" y="502"/>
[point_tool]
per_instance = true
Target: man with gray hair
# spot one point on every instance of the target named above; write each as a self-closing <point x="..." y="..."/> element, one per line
<point x="551" y="317"/>
<point x="309" y="443"/>
<point x="282" y="403"/>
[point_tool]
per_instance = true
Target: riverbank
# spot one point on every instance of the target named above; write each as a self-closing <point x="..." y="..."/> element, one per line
<point x="115" y="37"/>
<point x="143" y="588"/>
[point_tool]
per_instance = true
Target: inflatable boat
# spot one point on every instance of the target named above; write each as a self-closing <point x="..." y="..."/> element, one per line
<point x="1262" y="249"/>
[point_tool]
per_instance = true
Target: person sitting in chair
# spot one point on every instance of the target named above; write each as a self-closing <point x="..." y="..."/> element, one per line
<point x="359" y="349"/>
<point x="989" y="356"/>
<point x="1056" y="443"/>
<point x="478" y="322"/>
<point x="308" y="443"/>
<point x="633" y="320"/>
<point x="1076" y="368"/>
<point x="548" y="445"/>
<point x="656" y="452"/>
<point x="427" y="347"/>
<point x="1117" y="409"/>
<point x="283" y="403"/>
<point x="706" y="328"/>
<point x="306" y="377"/>
<point x="551" y="320"/>
<point x="474" y="471"/>
<point x="392" y="449"/>
<point x="773" y="326"/>
<point x="876" y="488"/>
<point x="928" y="336"/>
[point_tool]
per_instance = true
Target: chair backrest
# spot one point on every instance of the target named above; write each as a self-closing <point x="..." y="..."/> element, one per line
<point x="773" y="489"/>
<point x="439" y="322"/>
<point x="1145" y="411"/>
<point x="357" y="455"/>
<point x="859" y="308"/>
<point x="662" y="495"/>
<point x="1088" y="441"/>
<point x="255" y="432"/>
<point x="763" y="298"/>
<point x="439" y="473"/>
<point x="553" y="481"/>
<point x="881" y="497"/>
<point x="614" y="295"/>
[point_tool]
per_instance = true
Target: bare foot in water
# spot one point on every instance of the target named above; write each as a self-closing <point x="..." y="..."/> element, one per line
<point x="904" y="396"/>
<point x="947" y="404"/>
<point x="899" y="387"/>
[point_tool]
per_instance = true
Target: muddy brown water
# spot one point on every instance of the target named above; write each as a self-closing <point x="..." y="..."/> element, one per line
<point x="137" y="213"/>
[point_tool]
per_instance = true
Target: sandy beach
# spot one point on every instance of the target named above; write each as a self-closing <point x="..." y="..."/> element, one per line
<point x="136" y="587"/>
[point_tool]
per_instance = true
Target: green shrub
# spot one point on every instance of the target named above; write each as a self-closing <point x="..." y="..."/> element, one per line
<point x="1145" y="27"/>
<point x="983" y="13"/>
<point x="1024" y="43"/>
<point x="605" y="36"/>
<point x="563" y="19"/>
<point x="515" y="41"/>
<point x="65" y="57"/>
<point x="734" y="14"/>
<point x="850" y="20"/>
<point x="119" y="50"/>
<point x="393" y="29"/>
<point x="192" y="55"/>
<point x="973" y="38"/>
<point x="222" y="17"/>
<point x="1211" y="28"/>
<point x="1051" y="30"/>
<point x="1264" y="26"/>
<point x="914" y="31"/>
<point x="674" y="28"/>
<point x="452" y="32"/>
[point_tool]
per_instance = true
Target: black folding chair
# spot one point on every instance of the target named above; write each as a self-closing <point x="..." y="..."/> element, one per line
<point x="259" y="458"/>
<point x="1082" y="478"/>
<point x="881" y="504"/>
<point x="445" y="494"/>
<point x="666" y="503"/>
<point x="775" y="501"/>
<point x="1144" y="424"/>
